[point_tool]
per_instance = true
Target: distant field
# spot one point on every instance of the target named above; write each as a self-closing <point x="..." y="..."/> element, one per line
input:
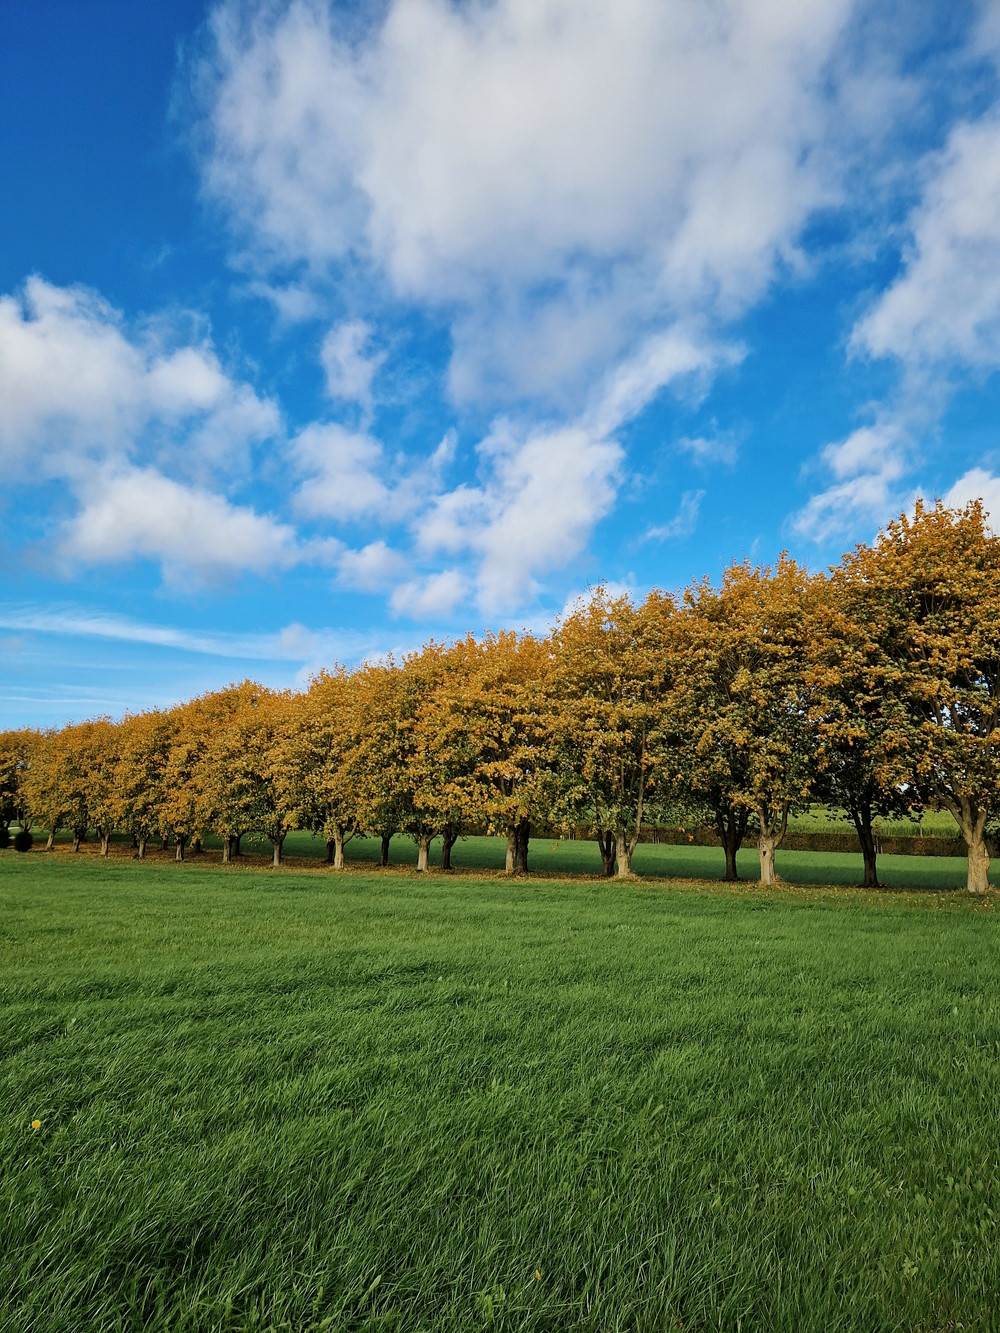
<point x="581" y="857"/>
<point x="299" y="1102"/>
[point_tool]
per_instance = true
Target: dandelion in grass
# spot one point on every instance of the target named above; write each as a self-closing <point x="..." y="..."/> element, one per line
<point x="538" y="1275"/>
<point x="36" y="1124"/>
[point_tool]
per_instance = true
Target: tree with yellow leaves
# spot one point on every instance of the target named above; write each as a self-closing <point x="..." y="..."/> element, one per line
<point x="743" y="736"/>
<point x="489" y="716"/>
<point x="611" y="671"/>
<point x="138" y="798"/>
<point x="315" y="784"/>
<point x="16" y="750"/>
<point x="930" y="586"/>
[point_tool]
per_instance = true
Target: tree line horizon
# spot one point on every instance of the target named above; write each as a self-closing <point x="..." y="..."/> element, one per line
<point x="872" y="688"/>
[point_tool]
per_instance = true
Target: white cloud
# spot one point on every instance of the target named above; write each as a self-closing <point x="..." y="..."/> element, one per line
<point x="77" y="384"/>
<point x="683" y="522"/>
<point x="370" y="569"/>
<point x="977" y="484"/>
<point x="708" y="449"/>
<point x="429" y="596"/>
<point x="348" y="367"/>
<point x="342" y="473"/>
<point x="465" y="153"/>
<point x="866" y="468"/>
<point x="138" y="513"/>
<point x="945" y="305"/>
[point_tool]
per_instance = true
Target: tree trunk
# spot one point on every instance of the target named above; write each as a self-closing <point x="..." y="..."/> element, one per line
<point x="77" y="839"/>
<point x="767" y="845"/>
<point x="511" y="857"/>
<point x="731" y="826"/>
<point x="227" y="849"/>
<point x="978" y="881"/>
<point x="105" y="843"/>
<point x="423" y="850"/>
<point x="448" y="839"/>
<point x="329" y="851"/>
<point x="383" y="858"/>
<point x="521" y="838"/>
<point x="606" y="842"/>
<point x="196" y="847"/>
<point x="338" y="850"/>
<point x="276" y="845"/>
<point x="140" y="849"/>
<point x="50" y="841"/>
<point x="236" y="844"/>
<point x="164" y="842"/>
<point x="181" y="844"/>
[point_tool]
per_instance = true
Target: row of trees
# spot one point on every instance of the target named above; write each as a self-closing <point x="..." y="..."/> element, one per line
<point x="872" y="689"/>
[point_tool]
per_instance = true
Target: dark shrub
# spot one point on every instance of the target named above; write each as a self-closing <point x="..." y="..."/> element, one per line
<point x="23" y="840"/>
<point x="4" y="836"/>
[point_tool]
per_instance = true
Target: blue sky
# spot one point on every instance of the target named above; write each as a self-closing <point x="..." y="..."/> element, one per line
<point x="326" y="327"/>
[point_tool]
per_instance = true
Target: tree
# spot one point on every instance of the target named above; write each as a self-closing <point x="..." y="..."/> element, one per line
<point x="44" y="787"/>
<point x="862" y="759"/>
<point x="314" y="780"/>
<point x="489" y="720"/>
<point x="610" y="672"/>
<point x="16" y="749"/>
<point x="143" y="747"/>
<point x="741" y="731"/>
<point x="930" y="583"/>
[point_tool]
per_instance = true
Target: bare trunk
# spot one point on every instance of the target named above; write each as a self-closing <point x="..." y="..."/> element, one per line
<point x="77" y="839"/>
<point x="979" y="866"/>
<point x="772" y="832"/>
<point x="861" y="817"/>
<point x="196" y="847"/>
<point x="626" y="846"/>
<point x="511" y="858"/>
<point x="383" y="858"/>
<point x="140" y="849"/>
<point x="767" y="845"/>
<point x="164" y="842"/>
<point x="731" y="826"/>
<point x="105" y="843"/>
<point x="972" y="822"/>
<point x="237" y="851"/>
<point x="448" y="839"/>
<point x="607" y="843"/>
<point x="50" y="841"/>
<point x="227" y="849"/>
<point x="338" y="850"/>
<point x="329" y="851"/>
<point x="521" y="839"/>
<point x="276" y="849"/>
<point x="423" y="851"/>
<point x="181" y="844"/>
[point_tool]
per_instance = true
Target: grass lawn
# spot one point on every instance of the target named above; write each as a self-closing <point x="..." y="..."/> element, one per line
<point x="581" y="857"/>
<point x="296" y="1102"/>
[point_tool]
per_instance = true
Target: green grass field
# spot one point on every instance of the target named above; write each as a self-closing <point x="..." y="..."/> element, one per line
<point x="572" y="857"/>
<point x="298" y="1101"/>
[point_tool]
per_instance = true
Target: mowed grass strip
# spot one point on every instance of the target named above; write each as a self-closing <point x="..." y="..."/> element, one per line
<point x="374" y="1102"/>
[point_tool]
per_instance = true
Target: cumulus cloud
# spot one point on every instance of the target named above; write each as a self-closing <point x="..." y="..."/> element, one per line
<point x="348" y="366"/>
<point x="977" y="484"/>
<point x="430" y="595"/>
<point x="944" y="308"/>
<point x="371" y="569"/>
<point x="343" y="472"/>
<point x="462" y="154"/>
<point x="76" y="383"/>
<point x="137" y="513"/>
<point x="866" y="468"/>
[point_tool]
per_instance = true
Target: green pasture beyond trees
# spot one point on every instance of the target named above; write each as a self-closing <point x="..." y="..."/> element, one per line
<point x="375" y="1101"/>
<point x="551" y="857"/>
